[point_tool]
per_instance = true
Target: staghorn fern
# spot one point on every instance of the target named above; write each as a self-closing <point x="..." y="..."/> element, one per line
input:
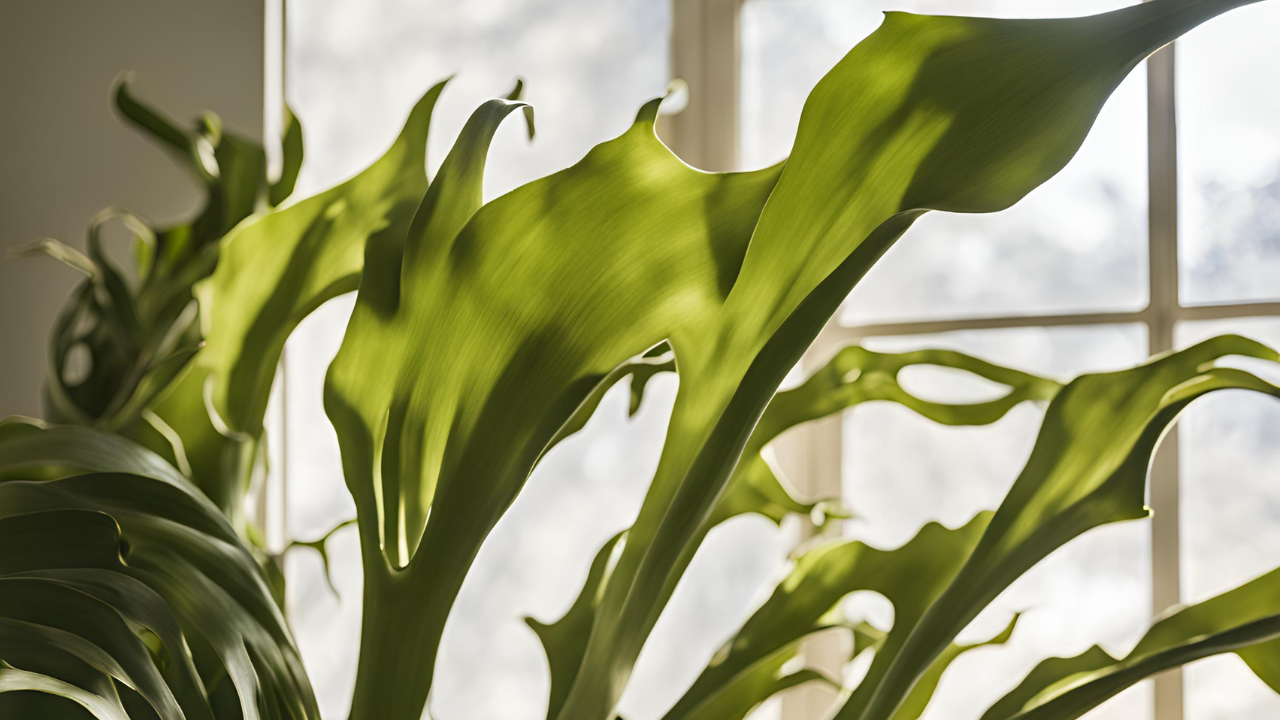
<point x="484" y="334"/>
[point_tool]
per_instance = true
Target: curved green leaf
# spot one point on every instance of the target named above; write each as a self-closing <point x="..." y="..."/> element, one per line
<point x="748" y="690"/>
<point x="274" y="271"/>
<point x="291" y="151"/>
<point x="86" y="627"/>
<point x="492" y="334"/>
<point x="855" y="375"/>
<point x="30" y="446"/>
<point x="564" y="640"/>
<point x="922" y="694"/>
<point x="1088" y="468"/>
<point x="640" y="370"/>
<point x="1244" y="620"/>
<point x="807" y="601"/>
<point x="131" y="574"/>
<point x="957" y="114"/>
<point x="232" y="169"/>
<point x="13" y="680"/>
<point x="271" y="273"/>
<point x="181" y="144"/>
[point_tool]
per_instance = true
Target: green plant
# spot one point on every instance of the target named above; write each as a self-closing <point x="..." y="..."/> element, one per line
<point x="483" y="334"/>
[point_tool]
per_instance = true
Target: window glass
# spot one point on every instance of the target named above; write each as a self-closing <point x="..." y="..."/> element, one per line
<point x="1230" y="503"/>
<point x="1077" y="244"/>
<point x="355" y="67"/>
<point x="327" y="626"/>
<point x="901" y="471"/>
<point x="1229" y="158"/>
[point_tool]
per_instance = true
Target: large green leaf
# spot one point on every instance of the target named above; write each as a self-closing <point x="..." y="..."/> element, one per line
<point x="1088" y="468"/>
<point x="464" y="358"/>
<point x="1240" y="620"/>
<point x="272" y="271"/>
<point x="131" y="583"/>
<point x="855" y="375"/>
<point x="807" y="601"/>
<point x="956" y="114"/>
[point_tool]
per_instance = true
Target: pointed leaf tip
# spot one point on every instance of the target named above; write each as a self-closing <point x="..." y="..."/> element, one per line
<point x="648" y="114"/>
<point x="516" y="93"/>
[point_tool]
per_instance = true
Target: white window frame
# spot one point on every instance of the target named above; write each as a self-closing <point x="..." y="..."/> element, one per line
<point x="706" y="53"/>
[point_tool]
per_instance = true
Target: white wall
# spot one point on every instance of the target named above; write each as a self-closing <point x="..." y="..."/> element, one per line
<point x="64" y="155"/>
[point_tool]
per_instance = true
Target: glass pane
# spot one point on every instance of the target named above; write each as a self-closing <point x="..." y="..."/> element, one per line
<point x="355" y="67"/>
<point x="901" y="471"/>
<point x="327" y="626"/>
<point x="1229" y="158"/>
<point x="1230" y="486"/>
<point x="1077" y="244"/>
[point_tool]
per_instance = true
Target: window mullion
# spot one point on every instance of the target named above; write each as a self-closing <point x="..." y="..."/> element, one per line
<point x="844" y="335"/>
<point x="272" y="498"/>
<point x="705" y="55"/>
<point x="1162" y="164"/>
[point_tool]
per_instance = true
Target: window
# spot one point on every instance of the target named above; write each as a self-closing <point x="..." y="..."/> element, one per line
<point x="1151" y="239"/>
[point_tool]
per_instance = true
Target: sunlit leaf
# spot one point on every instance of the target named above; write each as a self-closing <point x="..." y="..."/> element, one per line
<point x="291" y="153"/>
<point x="485" y="337"/>
<point x="272" y="272"/>
<point x="1241" y="620"/>
<point x="564" y="640"/>
<point x="854" y="376"/>
<point x="1088" y="469"/>
<point x="956" y="114"/>
<point x="807" y="601"/>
